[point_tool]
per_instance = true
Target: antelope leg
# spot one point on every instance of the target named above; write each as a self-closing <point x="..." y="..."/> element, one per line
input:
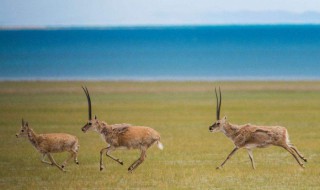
<point x="297" y="151"/>
<point x="76" y="157"/>
<point x="229" y="156"/>
<point x="54" y="162"/>
<point x="72" y="154"/>
<point x="139" y="161"/>
<point x="101" y="161"/>
<point x="44" y="161"/>
<point x="251" y="158"/>
<point x="292" y="153"/>
<point x="109" y="150"/>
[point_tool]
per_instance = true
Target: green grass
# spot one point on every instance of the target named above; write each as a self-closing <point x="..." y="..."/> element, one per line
<point x="181" y="112"/>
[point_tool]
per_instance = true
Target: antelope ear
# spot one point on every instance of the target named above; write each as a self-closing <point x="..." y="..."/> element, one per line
<point x="22" y="122"/>
<point x="95" y="117"/>
<point x="27" y="125"/>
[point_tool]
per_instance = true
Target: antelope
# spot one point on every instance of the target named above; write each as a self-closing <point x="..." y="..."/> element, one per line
<point x="121" y="136"/>
<point x="252" y="136"/>
<point x="51" y="143"/>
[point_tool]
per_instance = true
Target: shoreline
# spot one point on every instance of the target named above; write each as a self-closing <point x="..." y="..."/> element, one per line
<point x="161" y="26"/>
<point x="159" y="79"/>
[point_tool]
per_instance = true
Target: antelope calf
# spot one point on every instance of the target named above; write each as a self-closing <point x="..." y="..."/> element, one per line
<point x="51" y="143"/>
<point x="122" y="136"/>
<point x="251" y="136"/>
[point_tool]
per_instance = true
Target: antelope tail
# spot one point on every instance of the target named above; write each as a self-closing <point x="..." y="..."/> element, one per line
<point x="160" y="145"/>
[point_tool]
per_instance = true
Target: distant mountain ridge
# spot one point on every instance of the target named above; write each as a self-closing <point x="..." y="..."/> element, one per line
<point x="267" y="17"/>
<point x="181" y="19"/>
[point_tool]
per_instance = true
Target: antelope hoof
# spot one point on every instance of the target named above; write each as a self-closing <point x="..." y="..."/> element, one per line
<point x="304" y="159"/>
<point x="62" y="166"/>
<point x="77" y="162"/>
<point x="120" y="162"/>
<point x="218" y="168"/>
<point x="101" y="168"/>
<point x="302" y="166"/>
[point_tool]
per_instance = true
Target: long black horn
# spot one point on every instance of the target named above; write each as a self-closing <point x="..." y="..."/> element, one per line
<point x="89" y="101"/>
<point x="219" y="102"/>
<point x="217" y="107"/>
<point x="22" y="122"/>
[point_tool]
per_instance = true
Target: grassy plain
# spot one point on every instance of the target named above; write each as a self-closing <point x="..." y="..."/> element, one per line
<point x="181" y="112"/>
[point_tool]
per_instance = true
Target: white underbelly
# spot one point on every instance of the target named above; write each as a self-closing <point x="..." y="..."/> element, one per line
<point x="251" y="146"/>
<point x="121" y="148"/>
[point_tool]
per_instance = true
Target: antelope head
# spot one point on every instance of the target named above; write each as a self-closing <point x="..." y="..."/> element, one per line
<point x="24" y="130"/>
<point x="92" y="124"/>
<point x="216" y="126"/>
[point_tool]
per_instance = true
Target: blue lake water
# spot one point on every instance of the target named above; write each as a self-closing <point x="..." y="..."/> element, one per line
<point x="279" y="52"/>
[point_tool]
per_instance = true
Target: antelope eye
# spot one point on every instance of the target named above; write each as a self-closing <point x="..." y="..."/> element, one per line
<point x="218" y="123"/>
<point x="22" y="130"/>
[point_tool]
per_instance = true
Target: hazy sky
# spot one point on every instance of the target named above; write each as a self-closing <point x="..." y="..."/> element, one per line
<point x="155" y="12"/>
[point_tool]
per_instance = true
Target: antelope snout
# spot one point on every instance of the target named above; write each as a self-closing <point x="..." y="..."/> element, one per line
<point x="212" y="128"/>
<point x="83" y="129"/>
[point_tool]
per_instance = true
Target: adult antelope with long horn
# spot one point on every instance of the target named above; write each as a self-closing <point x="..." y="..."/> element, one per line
<point x="252" y="136"/>
<point x="121" y="136"/>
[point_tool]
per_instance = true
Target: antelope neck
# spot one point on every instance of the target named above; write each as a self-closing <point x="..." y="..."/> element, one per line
<point x="230" y="130"/>
<point x="32" y="136"/>
<point x="102" y="125"/>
